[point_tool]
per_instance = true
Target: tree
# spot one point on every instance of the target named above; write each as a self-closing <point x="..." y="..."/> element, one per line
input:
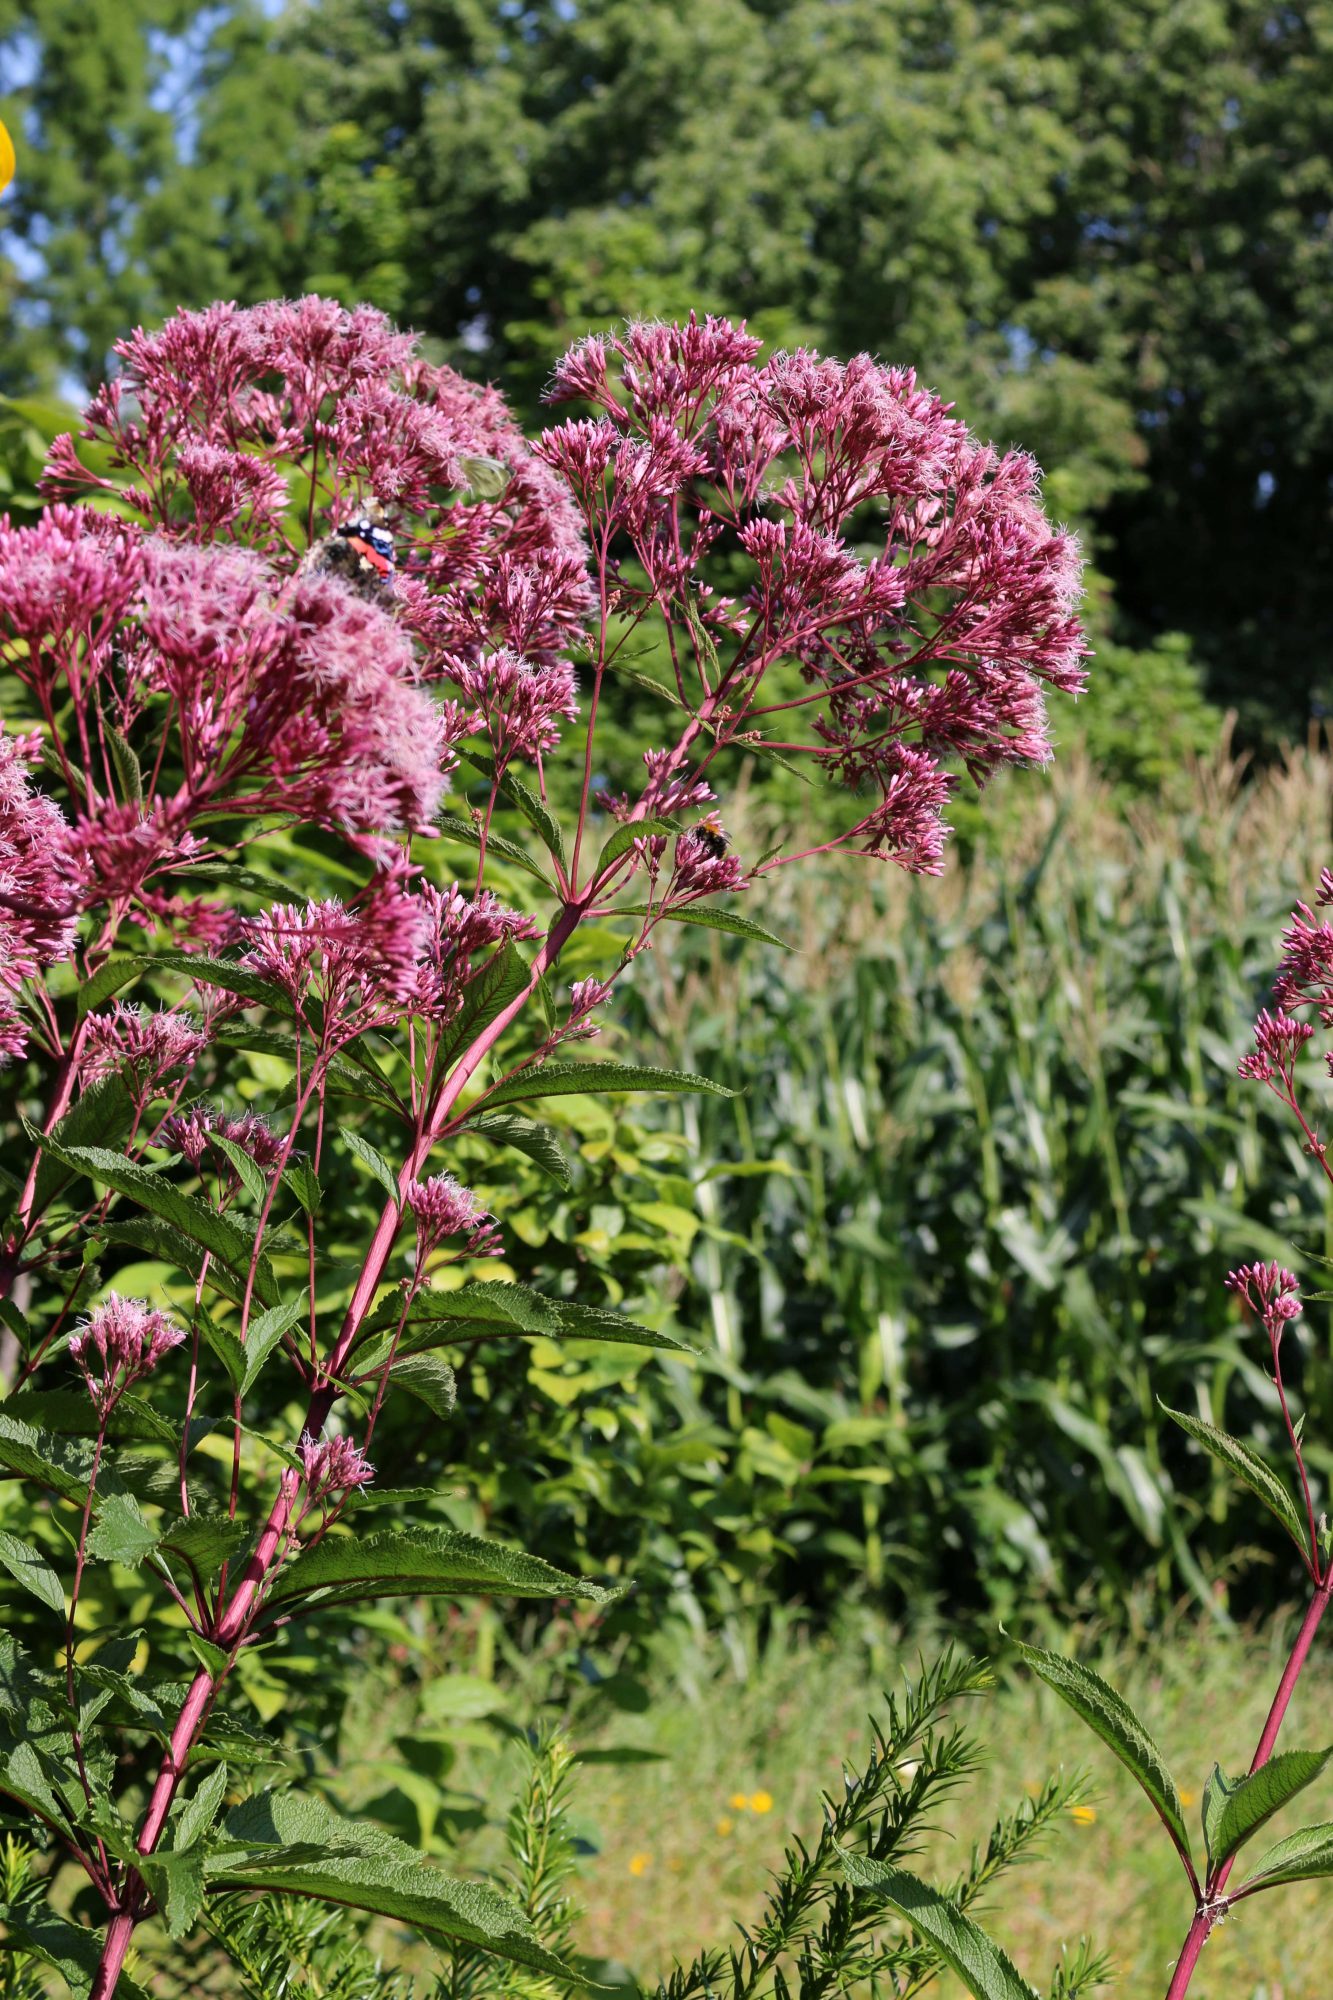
<point x="143" y="143"/>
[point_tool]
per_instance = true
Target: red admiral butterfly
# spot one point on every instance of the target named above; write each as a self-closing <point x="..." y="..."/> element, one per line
<point x="371" y="543"/>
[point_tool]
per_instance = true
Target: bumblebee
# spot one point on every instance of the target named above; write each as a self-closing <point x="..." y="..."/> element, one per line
<point x="712" y="836"/>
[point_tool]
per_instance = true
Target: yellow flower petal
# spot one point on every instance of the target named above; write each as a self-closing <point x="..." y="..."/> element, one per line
<point x="761" y="1802"/>
<point x="739" y="1802"/>
<point x="1083" y="1815"/>
<point x="639" y="1864"/>
<point x="1189" y="1798"/>
<point x="6" y="159"/>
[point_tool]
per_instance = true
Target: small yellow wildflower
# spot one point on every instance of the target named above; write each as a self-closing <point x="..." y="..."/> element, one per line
<point x="1083" y="1815"/>
<point x="739" y="1802"/>
<point x="639" y="1864"/>
<point x="725" y="1824"/>
<point x="6" y="159"/>
<point x="1189" y="1798"/>
<point x="761" y="1802"/>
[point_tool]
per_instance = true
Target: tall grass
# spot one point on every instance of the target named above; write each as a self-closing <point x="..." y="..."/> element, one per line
<point x="990" y="1168"/>
<point x="682" y="1848"/>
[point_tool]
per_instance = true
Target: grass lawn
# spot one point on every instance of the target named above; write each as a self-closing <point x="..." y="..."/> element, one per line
<point x="684" y="1846"/>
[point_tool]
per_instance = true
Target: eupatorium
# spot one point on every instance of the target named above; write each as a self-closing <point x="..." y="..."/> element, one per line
<point x="300" y="677"/>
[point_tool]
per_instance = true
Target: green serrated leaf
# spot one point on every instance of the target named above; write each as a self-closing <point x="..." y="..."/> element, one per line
<point x="429" y="1379"/>
<point x="112" y="1683"/>
<point x="984" y="1969"/>
<point x="252" y="1180"/>
<point x="1251" y="1469"/>
<point x="58" y="1463"/>
<point x="235" y="875"/>
<point x="504" y="976"/>
<point x="210" y="1657"/>
<point x="480" y="1310"/>
<point x="223" y="974"/>
<point x="31" y="1569"/>
<point x="372" y="1159"/>
<point x="511" y="787"/>
<point x="1301" y="1857"/>
<point x="206" y="1541"/>
<point x="24" y="1776"/>
<point x="464" y="830"/>
<point x="197" y="1817"/>
<point x="72" y="1950"/>
<point x="646" y="683"/>
<point x="165" y="1245"/>
<point x="219" y="1233"/>
<point x="512" y="1129"/>
<point x="711" y="919"/>
<point x="118" y="972"/>
<point x="129" y="778"/>
<point x="226" y="1346"/>
<point x="122" y="1535"/>
<point x="176" y="1881"/>
<point x="423" y="1563"/>
<point x="303" y="1181"/>
<point x="263" y="1335"/>
<point x="1235" y="1808"/>
<point x="281" y="1842"/>
<point x="100" y="1115"/>
<point x="70" y="1413"/>
<point x="17" y="1322"/>
<point x="1111" y="1718"/>
<point x="593" y="1079"/>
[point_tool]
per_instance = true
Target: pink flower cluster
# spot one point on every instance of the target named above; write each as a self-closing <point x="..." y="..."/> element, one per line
<point x="1278" y="1040"/>
<point x="37" y="926"/>
<point x="144" y="1047"/>
<point x="128" y="1338"/>
<point x="520" y="705"/>
<point x="1304" y="984"/>
<point x="442" y="1208"/>
<point x="935" y="648"/>
<point x="190" y="1132"/>
<point x="404" y="948"/>
<point x="1271" y="1293"/>
<point x="332" y="1466"/>
<point x="241" y="669"/>
<point x="212" y="412"/>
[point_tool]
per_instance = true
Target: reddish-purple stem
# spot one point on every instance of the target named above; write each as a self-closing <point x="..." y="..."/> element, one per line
<point x="1214" y="1906"/>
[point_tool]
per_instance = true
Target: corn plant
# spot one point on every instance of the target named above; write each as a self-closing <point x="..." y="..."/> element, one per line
<point x="1001" y="1120"/>
<point x="1236" y="1808"/>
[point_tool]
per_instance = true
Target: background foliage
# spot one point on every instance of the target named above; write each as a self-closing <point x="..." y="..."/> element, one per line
<point x="1103" y="229"/>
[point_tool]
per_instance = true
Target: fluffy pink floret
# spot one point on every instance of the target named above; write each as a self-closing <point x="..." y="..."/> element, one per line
<point x="1271" y="1293"/>
<point x="442" y="1208"/>
<point x="120" y="1341"/>
<point x="332" y="1466"/>
<point x="37" y="926"/>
